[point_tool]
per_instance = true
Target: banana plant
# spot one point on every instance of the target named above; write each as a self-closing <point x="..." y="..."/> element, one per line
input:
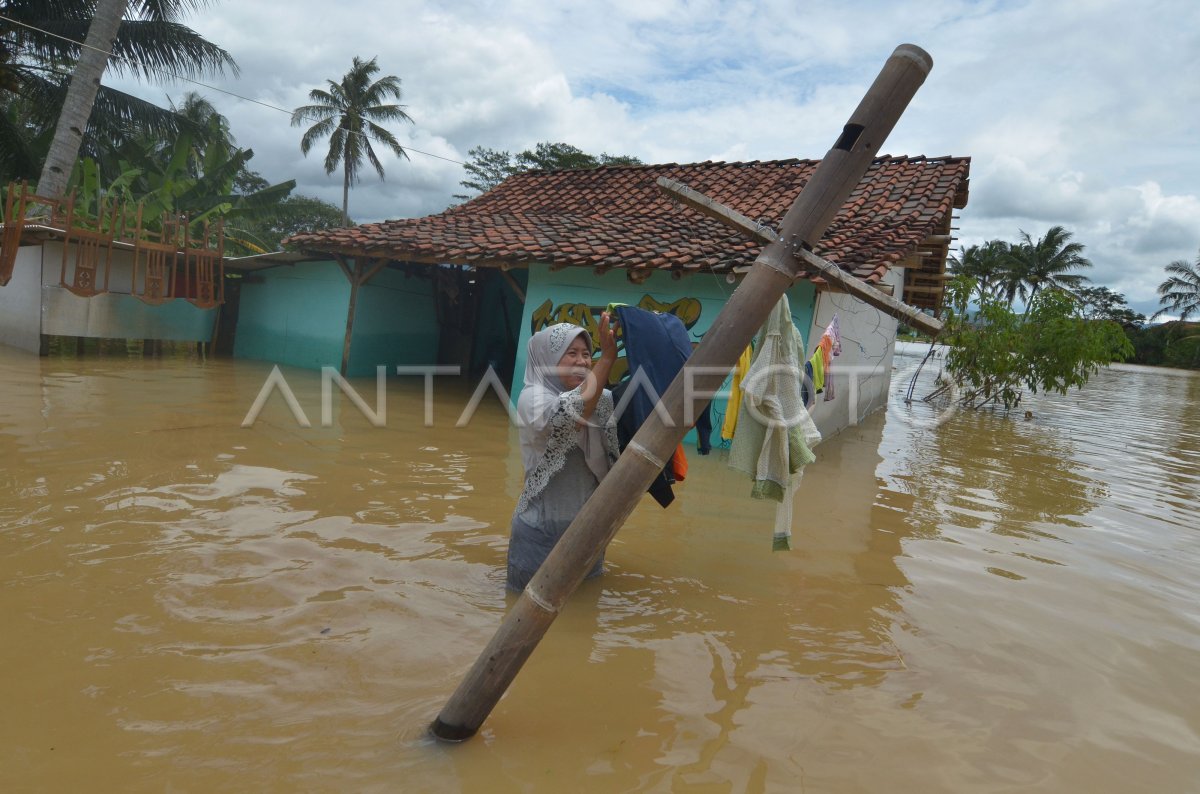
<point x="189" y="178"/>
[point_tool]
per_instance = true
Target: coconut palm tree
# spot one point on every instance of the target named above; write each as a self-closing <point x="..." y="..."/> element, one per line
<point x="1180" y="293"/>
<point x="348" y="113"/>
<point x="81" y="96"/>
<point x="1046" y="262"/>
<point x="985" y="263"/>
<point x="39" y="37"/>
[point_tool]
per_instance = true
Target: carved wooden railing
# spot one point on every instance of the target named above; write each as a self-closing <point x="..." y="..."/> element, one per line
<point x="21" y="208"/>
<point x="168" y="262"/>
<point x="91" y="242"/>
<point x="204" y="267"/>
<point x="155" y="256"/>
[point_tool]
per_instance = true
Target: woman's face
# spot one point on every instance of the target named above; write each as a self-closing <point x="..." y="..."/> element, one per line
<point x="575" y="363"/>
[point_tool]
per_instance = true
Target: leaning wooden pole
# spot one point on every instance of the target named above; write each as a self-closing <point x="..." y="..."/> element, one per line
<point x="772" y="273"/>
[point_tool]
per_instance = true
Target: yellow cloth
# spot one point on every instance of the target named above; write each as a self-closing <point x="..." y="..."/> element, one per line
<point x="818" y="368"/>
<point x="729" y="426"/>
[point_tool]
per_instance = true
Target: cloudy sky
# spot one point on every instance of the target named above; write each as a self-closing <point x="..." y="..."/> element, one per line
<point x="1082" y="113"/>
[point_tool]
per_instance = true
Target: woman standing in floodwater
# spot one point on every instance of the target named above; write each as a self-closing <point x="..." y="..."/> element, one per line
<point x="568" y="442"/>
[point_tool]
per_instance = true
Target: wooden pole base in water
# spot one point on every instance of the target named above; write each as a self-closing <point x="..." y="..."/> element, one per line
<point x="772" y="273"/>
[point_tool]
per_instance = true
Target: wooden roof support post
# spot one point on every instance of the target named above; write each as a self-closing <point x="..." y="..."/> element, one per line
<point x="362" y="271"/>
<point x="839" y="279"/>
<point x="355" y="275"/>
<point x="512" y="283"/>
<point x="614" y="499"/>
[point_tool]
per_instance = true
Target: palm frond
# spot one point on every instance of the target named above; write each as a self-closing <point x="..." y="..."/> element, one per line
<point x="150" y="48"/>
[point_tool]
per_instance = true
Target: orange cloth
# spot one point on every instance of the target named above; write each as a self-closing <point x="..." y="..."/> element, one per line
<point x="679" y="464"/>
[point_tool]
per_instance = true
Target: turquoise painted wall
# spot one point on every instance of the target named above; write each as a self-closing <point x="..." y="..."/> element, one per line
<point x="294" y="315"/>
<point x="395" y="324"/>
<point x="578" y="295"/>
<point x="297" y="315"/>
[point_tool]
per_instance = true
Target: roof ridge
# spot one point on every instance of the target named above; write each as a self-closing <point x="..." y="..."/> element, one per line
<point x="788" y="161"/>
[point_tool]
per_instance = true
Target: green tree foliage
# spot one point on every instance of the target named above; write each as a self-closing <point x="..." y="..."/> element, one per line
<point x="190" y="177"/>
<point x="1033" y="265"/>
<point x="36" y="66"/>
<point x="1173" y="344"/>
<point x="295" y="214"/>
<point x="487" y="168"/>
<point x="1180" y="292"/>
<point x="987" y="264"/>
<point x="565" y="157"/>
<point x="1102" y="303"/>
<point x="490" y="167"/>
<point x="996" y="353"/>
<point x="349" y="113"/>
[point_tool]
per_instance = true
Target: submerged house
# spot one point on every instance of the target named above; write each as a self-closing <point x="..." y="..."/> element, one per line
<point x="468" y="286"/>
<point x="104" y="273"/>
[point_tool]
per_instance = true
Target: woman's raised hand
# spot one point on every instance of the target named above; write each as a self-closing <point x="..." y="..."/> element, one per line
<point x="608" y="338"/>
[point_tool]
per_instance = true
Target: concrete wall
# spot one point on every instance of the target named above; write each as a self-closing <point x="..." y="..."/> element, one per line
<point x="34" y="303"/>
<point x="862" y="373"/>
<point x="115" y="314"/>
<point x="395" y="323"/>
<point x="294" y="315"/>
<point x="21" y="302"/>
<point x="297" y="315"/>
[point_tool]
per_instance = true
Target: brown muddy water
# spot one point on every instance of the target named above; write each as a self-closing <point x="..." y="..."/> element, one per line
<point x="987" y="605"/>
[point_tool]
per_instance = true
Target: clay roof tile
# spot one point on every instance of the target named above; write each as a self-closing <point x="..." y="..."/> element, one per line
<point x="617" y="216"/>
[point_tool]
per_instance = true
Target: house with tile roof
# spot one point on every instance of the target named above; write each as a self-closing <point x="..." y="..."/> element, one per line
<point x="468" y="286"/>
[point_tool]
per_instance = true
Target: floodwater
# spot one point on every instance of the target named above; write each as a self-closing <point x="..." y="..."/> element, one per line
<point x="991" y="604"/>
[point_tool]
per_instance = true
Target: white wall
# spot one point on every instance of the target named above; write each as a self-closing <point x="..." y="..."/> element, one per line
<point x="862" y="373"/>
<point x="21" y="302"/>
<point x="120" y="268"/>
<point x="115" y="314"/>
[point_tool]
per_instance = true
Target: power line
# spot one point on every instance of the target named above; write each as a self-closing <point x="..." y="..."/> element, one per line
<point x="197" y="82"/>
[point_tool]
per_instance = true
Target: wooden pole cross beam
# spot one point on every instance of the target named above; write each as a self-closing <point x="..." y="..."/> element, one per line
<point x="829" y="271"/>
<point x="618" y="493"/>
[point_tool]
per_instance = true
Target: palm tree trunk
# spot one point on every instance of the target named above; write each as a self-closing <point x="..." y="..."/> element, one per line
<point x="81" y="95"/>
<point x="346" y="194"/>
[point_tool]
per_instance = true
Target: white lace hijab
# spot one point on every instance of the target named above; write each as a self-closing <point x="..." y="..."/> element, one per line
<point x="549" y="414"/>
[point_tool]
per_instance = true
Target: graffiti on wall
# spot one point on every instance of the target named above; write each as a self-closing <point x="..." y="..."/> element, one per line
<point x="686" y="309"/>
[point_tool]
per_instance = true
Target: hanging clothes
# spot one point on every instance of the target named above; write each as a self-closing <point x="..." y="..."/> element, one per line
<point x="729" y="426"/>
<point x="656" y="348"/>
<point x="806" y="388"/>
<point x="628" y="422"/>
<point x="817" y="362"/>
<point x="831" y="346"/>
<point x="774" y="431"/>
